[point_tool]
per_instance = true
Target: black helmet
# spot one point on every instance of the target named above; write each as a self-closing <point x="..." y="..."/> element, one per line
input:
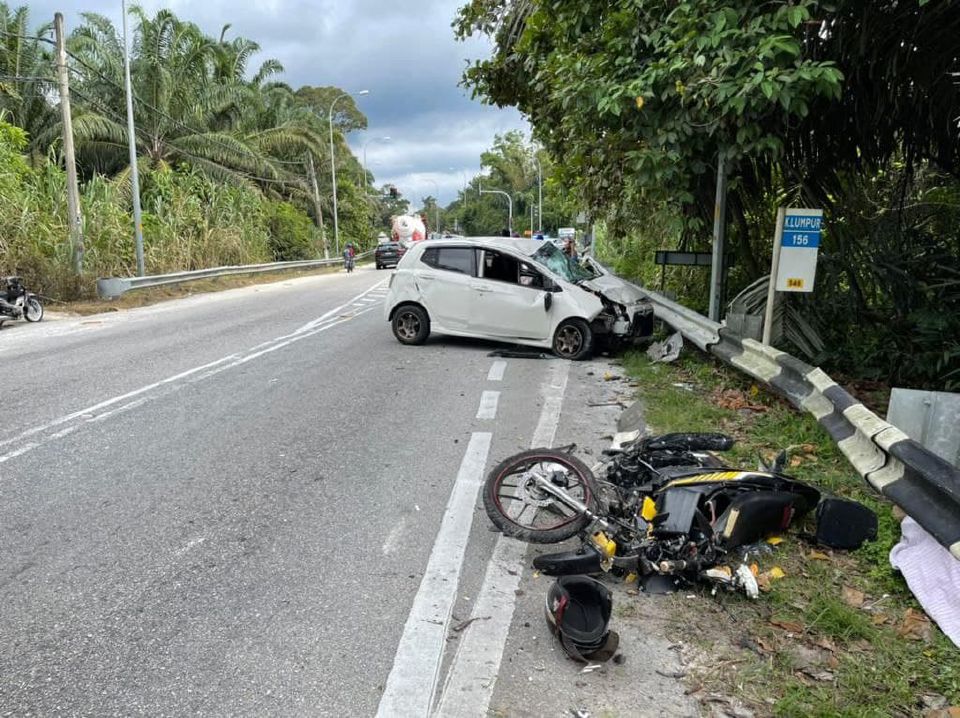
<point x="578" y="611"/>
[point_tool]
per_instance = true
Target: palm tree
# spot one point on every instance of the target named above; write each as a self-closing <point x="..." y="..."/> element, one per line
<point x="190" y="101"/>
<point x="26" y="76"/>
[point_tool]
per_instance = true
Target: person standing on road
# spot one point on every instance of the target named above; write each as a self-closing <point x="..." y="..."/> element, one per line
<point x="570" y="248"/>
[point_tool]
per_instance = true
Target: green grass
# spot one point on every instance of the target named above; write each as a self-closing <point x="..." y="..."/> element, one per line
<point x="876" y="672"/>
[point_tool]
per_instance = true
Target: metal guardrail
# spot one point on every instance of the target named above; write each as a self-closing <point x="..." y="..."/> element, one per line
<point x="914" y="478"/>
<point x="113" y="287"/>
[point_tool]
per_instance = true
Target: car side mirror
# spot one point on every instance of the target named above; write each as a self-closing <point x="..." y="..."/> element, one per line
<point x="547" y="301"/>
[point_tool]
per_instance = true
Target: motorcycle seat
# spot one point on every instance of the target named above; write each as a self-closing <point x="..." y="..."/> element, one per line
<point x="691" y="442"/>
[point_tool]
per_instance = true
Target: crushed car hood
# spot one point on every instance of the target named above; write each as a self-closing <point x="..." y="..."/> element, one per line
<point x="615" y="289"/>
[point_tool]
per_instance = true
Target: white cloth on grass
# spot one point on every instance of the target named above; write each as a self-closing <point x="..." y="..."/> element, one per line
<point x="933" y="575"/>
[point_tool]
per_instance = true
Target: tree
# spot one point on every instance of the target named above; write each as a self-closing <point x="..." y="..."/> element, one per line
<point x="827" y="104"/>
<point x="191" y="98"/>
<point x="26" y="75"/>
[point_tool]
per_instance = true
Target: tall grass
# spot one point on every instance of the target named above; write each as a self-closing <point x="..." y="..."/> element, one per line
<point x="188" y="223"/>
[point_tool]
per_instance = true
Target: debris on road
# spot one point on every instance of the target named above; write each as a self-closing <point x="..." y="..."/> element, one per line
<point x="668" y="350"/>
<point x="463" y="625"/>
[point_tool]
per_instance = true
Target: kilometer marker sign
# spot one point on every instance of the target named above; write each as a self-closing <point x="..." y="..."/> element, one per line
<point x="799" y="246"/>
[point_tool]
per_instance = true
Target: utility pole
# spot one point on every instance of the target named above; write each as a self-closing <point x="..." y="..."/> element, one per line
<point x="132" y="139"/>
<point x="69" y="158"/>
<point x="316" y="203"/>
<point x="719" y="228"/>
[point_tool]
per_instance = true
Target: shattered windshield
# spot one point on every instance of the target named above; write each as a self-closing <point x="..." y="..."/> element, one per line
<point x="553" y="258"/>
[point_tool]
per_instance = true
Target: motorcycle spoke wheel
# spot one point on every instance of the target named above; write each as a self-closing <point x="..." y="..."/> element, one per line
<point x="33" y="311"/>
<point x="529" y="507"/>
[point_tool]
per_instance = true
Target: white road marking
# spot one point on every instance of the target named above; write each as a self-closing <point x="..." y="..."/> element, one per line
<point x="497" y="370"/>
<point x="189" y="545"/>
<point x="475" y="666"/>
<point x="413" y="678"/>
<point x="163" y="387"/>
<point x="390" y="544"/>
<point x="488" y="405"/>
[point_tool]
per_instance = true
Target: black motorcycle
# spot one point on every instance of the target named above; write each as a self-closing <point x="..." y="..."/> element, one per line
<point x="17" y="303"/>
<point x="663" y="507"/>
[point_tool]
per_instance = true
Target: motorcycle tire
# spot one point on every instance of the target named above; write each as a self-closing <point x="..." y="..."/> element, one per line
<point x="33" y="311"/>
<point x="509" y="525"/>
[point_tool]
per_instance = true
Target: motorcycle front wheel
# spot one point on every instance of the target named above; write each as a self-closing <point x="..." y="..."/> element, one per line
<point x="521" y="509"/>
<point x="33" y="310"/>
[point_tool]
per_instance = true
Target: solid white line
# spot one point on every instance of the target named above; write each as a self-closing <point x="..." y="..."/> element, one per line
<point x="488" y="405"/>
<point x="110" y="402"/>
<point x="205" y="371"/>
<point x="497" y="370"/>
<point x="413" y="678"/>
<point x="475" y="666"/>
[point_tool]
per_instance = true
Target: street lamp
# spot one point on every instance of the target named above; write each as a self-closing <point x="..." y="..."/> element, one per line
<point x="481" y="190"/>
<point x="372" y="139"/>
<point x="333" y="165"/>
<point x="131" y="138"/>
<point x="540" y="193"/>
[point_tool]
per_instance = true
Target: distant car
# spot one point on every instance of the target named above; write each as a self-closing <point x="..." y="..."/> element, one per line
<point x="520" y="291"/>
<point x="388" y="254"/>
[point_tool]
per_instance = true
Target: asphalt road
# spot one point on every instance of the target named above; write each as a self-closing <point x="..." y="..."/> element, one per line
<point x="227" y="505"/>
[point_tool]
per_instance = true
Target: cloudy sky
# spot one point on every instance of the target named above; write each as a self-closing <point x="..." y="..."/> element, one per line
<point x="404" y="53"/>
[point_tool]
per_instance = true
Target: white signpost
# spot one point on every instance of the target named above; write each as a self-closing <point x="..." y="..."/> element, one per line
<point x="795" y="249"/>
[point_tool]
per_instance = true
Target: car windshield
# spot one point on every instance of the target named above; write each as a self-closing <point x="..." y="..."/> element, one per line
<point x="553" y="258"/>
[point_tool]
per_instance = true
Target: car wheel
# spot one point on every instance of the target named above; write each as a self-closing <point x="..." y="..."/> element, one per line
<point x="573" y="340"/>
<point x="411" y="325"/>
<point x="379" y="266"/>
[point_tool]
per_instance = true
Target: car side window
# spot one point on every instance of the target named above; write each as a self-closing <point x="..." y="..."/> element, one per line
<point x="500" y="267"/>
<point x="530" y="277"/>
<point x="450" y="259"/>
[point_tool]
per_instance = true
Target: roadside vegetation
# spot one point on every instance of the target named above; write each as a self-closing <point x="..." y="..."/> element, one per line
<point x="809" y="103"/>
<point x="840" y="634"/>
<point x="224" y="147"/>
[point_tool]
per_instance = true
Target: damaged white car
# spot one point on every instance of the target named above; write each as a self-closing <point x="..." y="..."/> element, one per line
<point x="520" y="291"/>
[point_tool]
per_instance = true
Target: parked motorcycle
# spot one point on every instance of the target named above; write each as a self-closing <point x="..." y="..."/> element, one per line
<point x="664" y="507"/>
<point x="16" y="302"/>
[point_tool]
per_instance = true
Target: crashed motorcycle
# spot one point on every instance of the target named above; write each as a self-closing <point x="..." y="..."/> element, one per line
<point x="665" y="508"/>
<point x="17" y="303"/>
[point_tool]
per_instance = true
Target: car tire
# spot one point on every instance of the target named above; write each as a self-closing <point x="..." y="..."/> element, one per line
<point x="411" y="325"/>
<point x="573" y="340"/>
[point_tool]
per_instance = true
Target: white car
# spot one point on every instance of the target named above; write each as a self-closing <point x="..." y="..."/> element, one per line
<point x="519" y="291"/>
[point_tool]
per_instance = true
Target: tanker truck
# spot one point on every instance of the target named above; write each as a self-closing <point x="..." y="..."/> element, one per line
<point x="408" y="229"/>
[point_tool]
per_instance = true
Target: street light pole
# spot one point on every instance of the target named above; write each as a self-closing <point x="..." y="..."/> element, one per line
<point x="333" y="166"/>
<point x="509" y="206"/>
<point x="540" y="194"/>
<point x="372" y="139"/>
<point x="134" y="173"/>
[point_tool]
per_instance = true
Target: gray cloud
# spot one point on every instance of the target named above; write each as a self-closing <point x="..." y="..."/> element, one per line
<point x="403" y="52"/>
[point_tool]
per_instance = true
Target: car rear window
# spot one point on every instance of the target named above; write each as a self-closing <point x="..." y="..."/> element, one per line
<point x="451" y="259"/>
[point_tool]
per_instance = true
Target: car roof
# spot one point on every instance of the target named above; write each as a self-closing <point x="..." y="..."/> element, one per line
<point x="523" y="246"/>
